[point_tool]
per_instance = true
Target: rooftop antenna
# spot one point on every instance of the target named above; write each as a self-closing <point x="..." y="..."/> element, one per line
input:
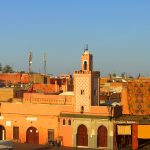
<point x="86" y="47"/>
<point x="45" y="63"/>
<point x="30" y="62"/>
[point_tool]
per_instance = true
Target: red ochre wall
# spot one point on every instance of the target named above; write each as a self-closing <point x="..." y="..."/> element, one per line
<point x="45" y="88"/>
<point x="66" y="131"/>
<point x="135" y="98"/>
<point x="47" y="118"/>
<point x="134" y="137"/>
<point x="124" y="102"/>
<point x="11" y="77"/>
<point x="14" y="78"/>
<point x="39" y="98"/>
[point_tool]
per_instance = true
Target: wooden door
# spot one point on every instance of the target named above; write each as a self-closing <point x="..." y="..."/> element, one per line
<point x="32" y="135"/>
<point x="50" y="135"/>
<point x="16" y="133"/>
<point x="102" y="137"/>
<point x="82" y="136"/>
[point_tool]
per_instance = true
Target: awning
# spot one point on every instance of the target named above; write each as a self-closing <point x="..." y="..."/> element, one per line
<point x="144" y="131"/>
<point x="124" y="129"/>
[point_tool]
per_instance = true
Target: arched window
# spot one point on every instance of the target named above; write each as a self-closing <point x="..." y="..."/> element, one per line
<point x="82" y="109"/>
<point x="82" y="92"/>
<point x="85" y="65"/>
<point x="69" y="122"/>
<point x="64" y="122"/>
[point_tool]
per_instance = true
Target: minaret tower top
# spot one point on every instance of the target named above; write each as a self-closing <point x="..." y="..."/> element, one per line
<point x="87" y="60"/>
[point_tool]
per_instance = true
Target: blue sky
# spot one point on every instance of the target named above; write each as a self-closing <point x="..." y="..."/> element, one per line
<point x="117" y="32"/>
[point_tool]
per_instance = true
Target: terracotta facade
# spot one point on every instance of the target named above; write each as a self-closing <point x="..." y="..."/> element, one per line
<point x="68" y="109"/>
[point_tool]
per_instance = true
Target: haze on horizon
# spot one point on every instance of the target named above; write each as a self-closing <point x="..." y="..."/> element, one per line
<point x="117" y="33"/>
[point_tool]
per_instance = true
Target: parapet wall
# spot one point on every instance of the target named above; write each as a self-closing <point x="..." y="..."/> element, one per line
<point x="100" y="110"/>
<point x="87" y="72"/>
<point x="38" y="98"/>
<point x="11" y="77"/>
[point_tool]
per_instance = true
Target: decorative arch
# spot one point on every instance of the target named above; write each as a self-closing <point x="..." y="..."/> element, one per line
<point x="102" y="136"/>
<point x="2" y="133"/>
<point x="32" y="135"/>
<point x="82" y="136"/>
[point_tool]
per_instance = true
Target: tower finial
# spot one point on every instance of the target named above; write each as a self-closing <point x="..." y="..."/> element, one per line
<point x="86" y="47"/>
<point x="30" y="62"/>
<point x="45" y="63"/>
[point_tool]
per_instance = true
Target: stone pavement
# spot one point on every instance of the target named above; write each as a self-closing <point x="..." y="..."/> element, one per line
<point x="26" y="146"/>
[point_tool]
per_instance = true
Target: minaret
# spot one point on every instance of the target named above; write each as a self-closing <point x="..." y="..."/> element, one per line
<point x="87" y="61"/>
<point x="86" y="84"/>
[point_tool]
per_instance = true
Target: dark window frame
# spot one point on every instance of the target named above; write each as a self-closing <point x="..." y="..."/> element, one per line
<point x="15" y="132"/>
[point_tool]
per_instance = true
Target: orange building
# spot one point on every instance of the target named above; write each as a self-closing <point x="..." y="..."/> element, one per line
<point x="24" y="78"/>
<point x="133" y="126"/>
<point x="76" y="117"/>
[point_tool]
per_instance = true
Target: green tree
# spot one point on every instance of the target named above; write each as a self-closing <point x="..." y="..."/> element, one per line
<point x="7" y="69"/>
<point x="0" y="67"/>
<point x="139" y="75"/>
<point x="114" y="75"/>
<point x="123" y="74"/>
<point x="22" y="71"/>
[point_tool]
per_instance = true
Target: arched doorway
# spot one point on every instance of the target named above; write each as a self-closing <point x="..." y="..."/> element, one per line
<point x="102" y="137"/>
<point x="2" y="133"/>
<point x="32" y="135"/>
<point x="82" y="136"/>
